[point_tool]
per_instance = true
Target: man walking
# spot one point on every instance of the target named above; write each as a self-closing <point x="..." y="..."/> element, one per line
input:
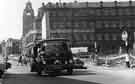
<point x="127" y="60"/>
<point x="20" y="60"/>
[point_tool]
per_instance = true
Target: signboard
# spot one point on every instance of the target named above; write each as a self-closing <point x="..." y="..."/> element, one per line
<point x="124" y="35"/>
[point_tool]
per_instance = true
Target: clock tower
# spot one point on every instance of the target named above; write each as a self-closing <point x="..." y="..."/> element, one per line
<point x="28" y="26"/>
<point x="28" y="18"/>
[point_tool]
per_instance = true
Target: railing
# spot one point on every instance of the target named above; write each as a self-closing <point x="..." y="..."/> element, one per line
<point x="113" y="60"/>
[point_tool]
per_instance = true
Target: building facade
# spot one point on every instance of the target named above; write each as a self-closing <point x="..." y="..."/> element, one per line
<point x="31" y="27"/>
<point x="87" y="22"/>
<point x="28" y="18"/>
<point x="3" y="46"/>
<point x="14" y="46"/>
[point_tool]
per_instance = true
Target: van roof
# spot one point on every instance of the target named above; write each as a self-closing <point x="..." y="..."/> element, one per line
<point x="53" y="39"/>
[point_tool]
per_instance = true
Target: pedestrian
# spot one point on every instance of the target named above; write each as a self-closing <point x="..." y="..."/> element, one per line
<point x="127" y="60"/>
<point x="24" y="60"/>
<point x="20" y="60"/>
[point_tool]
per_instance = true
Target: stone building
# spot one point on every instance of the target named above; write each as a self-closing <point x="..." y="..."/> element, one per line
<point x="13" y="46"/>
<point x="87" y="22"/>
<point x="31" y="27"/>
<point x="28" y="18"/>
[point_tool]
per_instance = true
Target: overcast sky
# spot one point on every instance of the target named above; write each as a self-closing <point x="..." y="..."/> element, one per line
<point x="11" y="15"/>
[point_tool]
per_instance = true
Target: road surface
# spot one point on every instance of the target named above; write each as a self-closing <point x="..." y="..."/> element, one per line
<point x="93" y="75"/>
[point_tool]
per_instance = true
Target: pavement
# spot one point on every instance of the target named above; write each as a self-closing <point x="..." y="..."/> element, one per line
<point x="18" y="68"/>
<point x="106" y="75"/>
<point x="106" y="69"/>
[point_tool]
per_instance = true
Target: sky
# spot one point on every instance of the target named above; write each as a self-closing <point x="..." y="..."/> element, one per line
<point x="11" y="15"/>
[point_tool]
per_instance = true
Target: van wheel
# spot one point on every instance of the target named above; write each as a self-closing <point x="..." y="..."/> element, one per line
<point x="39" y="71"/>
<point x="70" y="71"/>
<point x="1" y="73"/>
<point x="52" y="74"/>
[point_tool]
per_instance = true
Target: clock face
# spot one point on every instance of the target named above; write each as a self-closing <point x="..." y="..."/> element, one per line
<point x="28" y="13"/>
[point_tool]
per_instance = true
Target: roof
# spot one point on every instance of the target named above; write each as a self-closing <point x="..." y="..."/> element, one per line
<point x="90" y="4"/>
<point x="53" y="39"/>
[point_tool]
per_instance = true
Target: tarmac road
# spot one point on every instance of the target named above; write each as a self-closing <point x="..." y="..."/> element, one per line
<point x="93" y="75"/>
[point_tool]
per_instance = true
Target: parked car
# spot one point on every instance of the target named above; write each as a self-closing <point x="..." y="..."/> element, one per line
<point x="4" y="65"/>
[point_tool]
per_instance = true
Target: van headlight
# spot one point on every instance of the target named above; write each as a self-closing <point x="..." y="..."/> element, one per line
<point x="74" y="58"/>
<point x="70" y="61"/>
<point x="66" y="62"/>
<point x="44" y="62"/>
<point x="56" y="62"/>
<point x="57" y="54"/>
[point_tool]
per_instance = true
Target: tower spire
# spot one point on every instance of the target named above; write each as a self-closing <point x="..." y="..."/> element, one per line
<point x="28" y="4"/>
<point x="29" y="1"/>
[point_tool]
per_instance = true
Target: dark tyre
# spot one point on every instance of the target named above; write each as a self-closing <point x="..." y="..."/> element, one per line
<point x="8" y="65"/>
<point x="70" y="71"/>
<point x="1" y="73"/>
<point x="39" y="73"/>
<point x="39" y="69"/>
<point x="52" y="74"/>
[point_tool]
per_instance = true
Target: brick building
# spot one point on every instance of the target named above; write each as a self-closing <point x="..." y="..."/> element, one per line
<point x="87" y="22"/>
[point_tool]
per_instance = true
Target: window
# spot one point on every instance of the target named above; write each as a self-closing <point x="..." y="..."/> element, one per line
<point x="98" y="24"/>
<point x="63" y="35"/>
<point x="68" y="13"/>
<point x="112" y="11"/>
<point x="84" y="24"/>
<point x="77" y="37"/>
<point x="120" y="11"/>
<point x="69" y="24"/>
<point x="53" y="34"/>
<point x="90" y="36"/>
<point x="60" y="13"/>
<point x="114" y="37"/>
<point x="53" y="26"/>
<point x="84" y="36"/>
<point x="53" y="13"/>
<point x="91" y="12"/>
<point x="133" y="11"/>
<point x="106" y="12"/>
<point x="106" y="25"/>
<point x="127" y="11"/>
<point x="99" y="37"/>
<point x="98" y="12"/>
<point x="91" y="24"/>
<point x="133" y="23"/>
<point x="114" y="25"/>
<point x="82" y="12"/>
<point x="106" y="36"/>
<point x="76" y="13"/>
<point x="128" y="23"/>
<point x="76" y="24"/>
<point x="61" y="25"/>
